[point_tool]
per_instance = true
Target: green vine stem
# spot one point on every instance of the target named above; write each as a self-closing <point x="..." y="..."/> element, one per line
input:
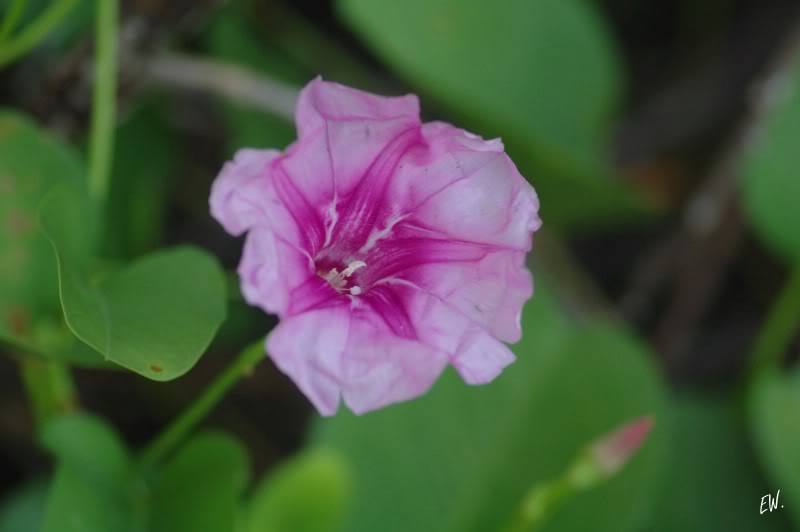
<point x="595" y="464"/>
<point x="50" y="388"/>
<point x="176" y="432"/>
<point x="36" y="31"/>
<point x="101" y="138"/>
<point x="18" y="349"/>
<point x="539" y="504"/>
<point x="780" y="326"/>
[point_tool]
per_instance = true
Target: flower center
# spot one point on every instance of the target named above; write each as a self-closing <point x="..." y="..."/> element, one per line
<point x="340" y="281"/>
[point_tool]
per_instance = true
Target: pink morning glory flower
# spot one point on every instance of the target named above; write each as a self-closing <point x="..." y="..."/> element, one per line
<point x="388" y="248"/>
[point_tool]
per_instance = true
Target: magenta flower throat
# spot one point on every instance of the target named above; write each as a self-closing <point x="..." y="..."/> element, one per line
<point x="388" y="248"/>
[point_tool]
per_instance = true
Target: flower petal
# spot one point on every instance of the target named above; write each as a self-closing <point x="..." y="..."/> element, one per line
<point x="490" y="291"/>
<point x="382" y="368"/>
<point x="341" y="351"/>
<point x="466" y="188"/>
<point x="237" y="194"/>
<point x="324" y="104"/>
<point x="486" y="282"/>
<point x="248" y="193"/>
<point x="271" y="269"/>
<point x="477" y="355"/>
<point x="342" y="131"/>
<point x="482" y="357"/>
<point x="310" y="347"/>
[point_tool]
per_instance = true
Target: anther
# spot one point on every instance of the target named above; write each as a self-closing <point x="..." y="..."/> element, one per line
<point x="338" y="280"/>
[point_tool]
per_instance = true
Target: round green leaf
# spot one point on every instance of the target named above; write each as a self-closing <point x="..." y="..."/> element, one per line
<point x="771" y="183"/>
<point x="31" y="163"/>
<point x="92" y="489"/>
<point x="712" y="481"/>
<point x="89" y="445"/>
<point x="775" y="421"/>
<point x="543" y="74"/>
<point x="461" y="457"/>
<point x="155" y="317"/>
<point x="199" y="489"/>
<point x="96" y="487"/>
<point x="311" y="493"/>
<point x="23" y="509"/>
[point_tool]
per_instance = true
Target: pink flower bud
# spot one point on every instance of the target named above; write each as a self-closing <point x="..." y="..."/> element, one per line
<point x="615" y="449"/>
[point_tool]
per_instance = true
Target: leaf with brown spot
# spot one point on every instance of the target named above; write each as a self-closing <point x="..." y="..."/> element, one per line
<point x="161" y="310"/>
<point x="32" y="162"/>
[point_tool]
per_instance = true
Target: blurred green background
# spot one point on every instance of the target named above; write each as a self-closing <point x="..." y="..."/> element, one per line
<point x="663" y="138"/>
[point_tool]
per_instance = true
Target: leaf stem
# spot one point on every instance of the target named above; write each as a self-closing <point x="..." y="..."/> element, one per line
<point x="598" y="462"/>
<point x="18" y="349"/>
<point x="35" y="32"/>
<point x="780" y="326"/>
<point x="101" y="140"/>
<point x="539" y="504"/>
<point x="176" y="432"/>
<point x="50" y="388"/>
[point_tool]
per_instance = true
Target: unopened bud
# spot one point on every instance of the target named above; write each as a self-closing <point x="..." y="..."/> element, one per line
<point x="616" y="448"/>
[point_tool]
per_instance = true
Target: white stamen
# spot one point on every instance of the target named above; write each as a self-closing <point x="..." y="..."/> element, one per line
<point x="337" y="279"/>
<point x="333" y="277"/>
<point x="352" y="267"/>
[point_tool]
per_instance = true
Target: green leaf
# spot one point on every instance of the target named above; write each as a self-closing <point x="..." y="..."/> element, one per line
<point x="199" y="489"/>
<point x="311" y="493"/>
<point x="96" y="487"/>
<point x="461" y="457"/>
<point x="775" y="422"/>
<point x="23" y="510"/>
<point x="89" y="445"/>
<point x="543" y="74"/>
<point x="771" y="186"/>
<point x="75" y="504"/>
<point x="92" y="487"/>
<point x="155" y="317"/>
<point x="712" y="480"/>
<point x="32" y="162"/>
<point x="67" y="33"/>
<point x="130" y="229"/>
